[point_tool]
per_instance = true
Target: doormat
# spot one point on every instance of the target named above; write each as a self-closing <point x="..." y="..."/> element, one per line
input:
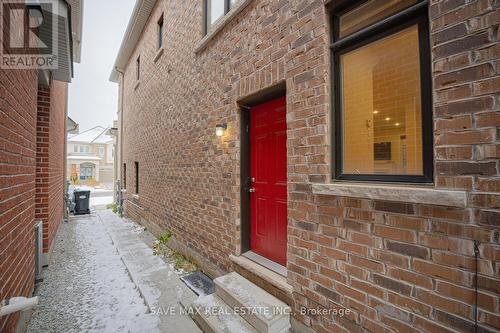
<point x="198" y="282"/>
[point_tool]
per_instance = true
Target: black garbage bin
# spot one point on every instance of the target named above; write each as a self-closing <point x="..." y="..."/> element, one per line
<point x="82" y="202"/>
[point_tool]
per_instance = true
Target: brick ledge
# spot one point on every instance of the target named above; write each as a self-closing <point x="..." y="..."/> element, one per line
<point x="430" y="196"/>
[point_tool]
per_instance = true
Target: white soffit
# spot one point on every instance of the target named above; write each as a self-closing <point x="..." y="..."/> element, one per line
<point x="136" y="24"/>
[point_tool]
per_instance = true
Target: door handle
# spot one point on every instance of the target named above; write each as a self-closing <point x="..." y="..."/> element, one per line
<point x="251" y="190"/>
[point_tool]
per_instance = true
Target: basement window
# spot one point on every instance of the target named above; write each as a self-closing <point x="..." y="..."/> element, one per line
<point x="382" y="85"/>
<point x="214" y="10"/>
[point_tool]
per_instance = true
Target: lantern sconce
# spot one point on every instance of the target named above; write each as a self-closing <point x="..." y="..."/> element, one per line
<point x="220" y="129"/>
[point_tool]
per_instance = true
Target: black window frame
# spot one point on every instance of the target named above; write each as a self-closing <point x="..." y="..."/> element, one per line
<point x="206" y="21"/>
<point x="161" y="31"/>
<point x="136" y="164"/>
<point x="416" y="14"/>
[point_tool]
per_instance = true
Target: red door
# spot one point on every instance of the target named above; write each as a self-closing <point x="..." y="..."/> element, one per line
<point x="268" y="199"/>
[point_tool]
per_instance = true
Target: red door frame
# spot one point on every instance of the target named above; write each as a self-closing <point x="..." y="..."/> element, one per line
<point x="268" y="180"/>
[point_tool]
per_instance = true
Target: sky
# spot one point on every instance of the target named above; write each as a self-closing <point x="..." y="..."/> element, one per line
<point x="92" y="98"/>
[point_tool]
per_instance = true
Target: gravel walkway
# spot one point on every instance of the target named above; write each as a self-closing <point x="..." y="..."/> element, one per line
<point x="87" y="287"/>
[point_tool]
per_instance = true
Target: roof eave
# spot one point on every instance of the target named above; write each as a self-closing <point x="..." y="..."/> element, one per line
<point x="138" y="20"/>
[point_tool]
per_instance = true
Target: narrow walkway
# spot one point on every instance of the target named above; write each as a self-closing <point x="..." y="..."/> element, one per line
<point x="102" y="278"/>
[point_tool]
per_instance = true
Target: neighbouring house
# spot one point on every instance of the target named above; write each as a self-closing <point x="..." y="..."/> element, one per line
<point x="90" y="157"/>
<point x="113" y="133"/>
<point x="342" y="155"/>
<point x="33" y="113"/>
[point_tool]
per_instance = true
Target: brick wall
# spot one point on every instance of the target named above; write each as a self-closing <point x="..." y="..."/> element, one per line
<point x="404" y="267"/>
<point x="18" y="90"/>
<point x="51" y="115"/>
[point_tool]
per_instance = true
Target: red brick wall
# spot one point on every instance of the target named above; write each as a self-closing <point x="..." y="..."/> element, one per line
<point x="51" y="115"/>
<point x="404" y="267"/>
<point x="42" y="161"/>
<point x="18" y="91"/>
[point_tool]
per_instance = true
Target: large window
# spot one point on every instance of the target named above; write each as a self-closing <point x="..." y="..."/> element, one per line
<point x="214" y="10"/>
<point x="382" y="101"/>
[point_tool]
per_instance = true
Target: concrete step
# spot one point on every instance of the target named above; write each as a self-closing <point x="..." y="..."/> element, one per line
<point x="215" y="316"/>
<point x="260" y="309"/>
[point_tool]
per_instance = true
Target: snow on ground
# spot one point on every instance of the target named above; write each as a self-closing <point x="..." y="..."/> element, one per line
<point x="86" y="287"/>
<point x="100" y="201"/>
<point x="92" y="189"/>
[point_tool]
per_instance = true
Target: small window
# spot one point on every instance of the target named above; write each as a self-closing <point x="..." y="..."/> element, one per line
<point x="382" y="81"/>
<point x="124" y="175"/>
<point x="161" y="31"/>
<point x="101" y="151"/>
<point x="75" y="148"/>
<point x="136" y="177"/>
<point x="82" y="149"/>
<point x="214" y="10"/>
<point x="138" y="68"/>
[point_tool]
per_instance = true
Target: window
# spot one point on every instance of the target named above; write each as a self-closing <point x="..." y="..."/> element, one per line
<point x="101" y="151"/>
<point x="124" y="175"/>
<point x="138" y="68"/>
<point x="136" y="177"/>
<point x="382" y="93"/>
<point x="75" y="148"/>
<point x="160" y="32"/>
<point x="214" y="10"/>
<point x="86" y="171"/>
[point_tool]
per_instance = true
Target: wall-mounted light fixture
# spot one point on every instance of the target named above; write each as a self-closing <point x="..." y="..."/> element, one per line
<point x="220" y="129"/>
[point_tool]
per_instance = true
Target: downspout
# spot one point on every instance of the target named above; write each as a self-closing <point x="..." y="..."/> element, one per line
<point x="120" y="142"/>
<point x="16" y="304"/>
<point x="65" y="162"/>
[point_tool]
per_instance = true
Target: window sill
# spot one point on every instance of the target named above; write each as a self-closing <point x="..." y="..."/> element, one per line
<point x="413" y="194"/>
<point x="136" y="85"/>
<point x="218" y="26"/>
<point x="158" y="55"/>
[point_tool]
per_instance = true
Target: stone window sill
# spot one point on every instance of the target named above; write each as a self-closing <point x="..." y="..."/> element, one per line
<point x="411" y="194"/>
<point x="158" y="55"/>
<point x="218" y="26"/>
<point x="136" y="85"/>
